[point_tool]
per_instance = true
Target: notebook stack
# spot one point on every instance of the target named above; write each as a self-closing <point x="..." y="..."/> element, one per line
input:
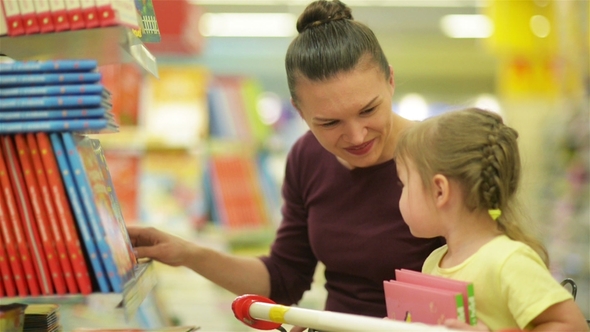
<point x="52" y="96"/>
<point x="42" y="318"/>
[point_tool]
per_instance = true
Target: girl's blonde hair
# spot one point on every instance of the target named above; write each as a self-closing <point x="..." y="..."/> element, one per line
<point x="475" y="148"/>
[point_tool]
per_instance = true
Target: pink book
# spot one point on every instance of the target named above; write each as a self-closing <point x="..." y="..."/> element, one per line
<point x="464" y="287"/>
<point x="415" y="303"/>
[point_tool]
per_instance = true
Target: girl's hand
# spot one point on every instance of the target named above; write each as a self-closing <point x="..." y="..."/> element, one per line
<point x="460" y="325"/>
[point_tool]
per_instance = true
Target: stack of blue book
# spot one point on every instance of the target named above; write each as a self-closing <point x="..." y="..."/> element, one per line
<point x="54" y="96"/>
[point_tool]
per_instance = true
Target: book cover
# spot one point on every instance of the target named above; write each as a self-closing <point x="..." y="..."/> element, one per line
<point x="14" y="233"/>
<point x="14" y="22"/>
<point x="3" y="26"/>
<point x="44" y="17"/>
<point x="74" y="12"/>
<point x="40" y="214"/>
<point x="125" y="171"/>
<point x="52" y="216"/>
<point x="7" y="284"/>
<point x="52" y="102"/>
<point x="89" y="13"/>
<point x="27" y="217"/>
<point x="63" y="211"/>
<point x="49" y="66"/>
<point x="11" y="80"/>
<point x="98" y="210"/>
<point x="59" y="15"/>
<point x="465" y="288"/>
<point x="416" y="303"/>
<point x="149" y="31"/>
<point x="29" y="17"/>
<point x="84" y="228"/>
<point x="56" y="90"/>
<point x="117" y="12"/>
<point x="63" y="114"/>
<point x="79" y="125"/>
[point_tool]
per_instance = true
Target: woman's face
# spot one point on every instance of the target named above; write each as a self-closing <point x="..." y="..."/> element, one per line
<point x="351" y="114"/>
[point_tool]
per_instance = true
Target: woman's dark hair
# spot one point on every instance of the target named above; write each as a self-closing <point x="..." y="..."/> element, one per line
<point x="330" y="41"/>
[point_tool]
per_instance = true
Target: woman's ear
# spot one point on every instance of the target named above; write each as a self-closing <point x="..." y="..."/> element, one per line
<point x="441" y="190"/>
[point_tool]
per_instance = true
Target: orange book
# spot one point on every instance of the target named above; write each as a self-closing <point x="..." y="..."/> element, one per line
<point x="39" y="214"/>
<point x="417" y="303"/>
<point x="53" y="223"/>
<point x="464" y="287"/>
<point x="17" y="202"/>
<point x="64" y="214"/>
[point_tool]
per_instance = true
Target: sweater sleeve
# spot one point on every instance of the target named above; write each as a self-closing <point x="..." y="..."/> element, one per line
<point x="291" y="262"/>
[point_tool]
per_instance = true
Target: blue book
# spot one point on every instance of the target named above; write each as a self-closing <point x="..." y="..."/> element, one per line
<point x="48" y="79"/>
<point x="48" y="66"/>
<point x="78" y="125"/>
<point x="77" y="209"/>
<point x="94" y="200"/>
<point x="53" y="114"/>
<point x="55" y="90"/>
<point x="44" y="102"/>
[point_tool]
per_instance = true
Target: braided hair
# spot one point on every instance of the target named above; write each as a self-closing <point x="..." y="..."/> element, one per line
<point x="476" y="149"/>
<point x="330" y="42"/>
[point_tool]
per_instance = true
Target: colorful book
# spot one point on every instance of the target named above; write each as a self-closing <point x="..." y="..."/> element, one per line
<point x="27" y="219"/>
<point x="53" y="114"/>
<point x="39" y="214"/>
<point x="98" y="210"/>
<point x="86" y="233"/>
<point x="74" y="14"/>
<point x="465" y="288"/>
<point x="3" y="26"/>
<point x="10" y="80"/>
<point x="29" y="17"/>
<point x="416" y="303"/>
<point x="14" y="22"/>
<point x="79" y="125"/>
<point x="7" y="285"/>
<point x="59" y="15"/>
<point x="55" y="66"/>
<point x="52" y="102"/>
<point x="89" y="13"/>
<point x="117" y="12"/>
<point x="65" y="218"/>
<point x="43" y="13"/>
<point x="27" y="284"/>
<point x="55" y="90"/>
<point x="51" y="214"/>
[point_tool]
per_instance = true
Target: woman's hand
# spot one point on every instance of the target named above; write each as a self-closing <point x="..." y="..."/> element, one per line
<point x="149" y="242"/>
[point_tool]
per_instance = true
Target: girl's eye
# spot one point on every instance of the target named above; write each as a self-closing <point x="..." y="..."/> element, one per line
<point x="370" y="110"/>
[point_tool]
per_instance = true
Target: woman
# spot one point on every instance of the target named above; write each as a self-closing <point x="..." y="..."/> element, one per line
<point x="341" y="192"/>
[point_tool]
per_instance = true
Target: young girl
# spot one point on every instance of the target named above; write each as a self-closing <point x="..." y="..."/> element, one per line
<point x="460" y="173"/>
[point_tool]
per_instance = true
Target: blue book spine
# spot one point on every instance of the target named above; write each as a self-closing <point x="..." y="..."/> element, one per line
<point x="53" y="114"/>
<point x="53" y="125"/>
<point x="55" y="90"/>
<point x="91" y="210"/>
<point x="48" y="66"/>
<point x="42" y="78"/>
<point x="36" y="103"/>
<point x="81" y="221"/>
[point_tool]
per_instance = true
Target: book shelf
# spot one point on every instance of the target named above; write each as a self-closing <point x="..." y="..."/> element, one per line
<point x="110" y="45"/>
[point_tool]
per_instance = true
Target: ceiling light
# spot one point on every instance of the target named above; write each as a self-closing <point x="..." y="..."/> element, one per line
<point x="467" y="26"/>
<point x="248" y="25"/>
<point x="413" y="107"/>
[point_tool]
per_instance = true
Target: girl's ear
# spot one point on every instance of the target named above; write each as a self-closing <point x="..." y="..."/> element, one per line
<point x="441" y="190"/>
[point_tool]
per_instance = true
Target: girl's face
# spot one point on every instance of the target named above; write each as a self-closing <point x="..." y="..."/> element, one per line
<point x="416" y="204"/>
<point x="351" y="114"/>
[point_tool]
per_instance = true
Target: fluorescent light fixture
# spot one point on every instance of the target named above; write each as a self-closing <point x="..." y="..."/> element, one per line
<point x="488" y="102"/>
<point x="248" y="25"/>
<point x="413" y="107"/>
<point x="467" y="26"/>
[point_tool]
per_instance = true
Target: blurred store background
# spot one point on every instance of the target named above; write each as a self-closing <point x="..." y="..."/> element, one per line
<point x="202" y="149"/>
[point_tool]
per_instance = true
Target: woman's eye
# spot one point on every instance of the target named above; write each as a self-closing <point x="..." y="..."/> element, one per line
<point x="329" y="124"/>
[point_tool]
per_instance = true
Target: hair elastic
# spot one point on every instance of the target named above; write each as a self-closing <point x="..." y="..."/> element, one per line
<point x="495" y="213"/>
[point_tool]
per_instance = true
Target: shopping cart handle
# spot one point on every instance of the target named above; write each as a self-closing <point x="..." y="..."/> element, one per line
<point x="241" y="308"/>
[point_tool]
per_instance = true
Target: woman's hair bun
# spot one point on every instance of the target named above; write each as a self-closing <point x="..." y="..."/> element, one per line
<point x="322" y="12"/>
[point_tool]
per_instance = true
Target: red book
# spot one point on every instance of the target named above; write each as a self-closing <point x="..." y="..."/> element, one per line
<point x="7" y="283"/>
<point x="8" y="242"/>
<point x="417" y="303"/>
<point x="7" y="169"/>
<point x="14" y="22"/>
<point x="53" y="223"/>
<point x="75" y="16"/>
<point x="43" y="12"/>
<point x="89" y="13"/>
<point x="3" y="27"/>
<point x="465" y="288"/>
<point x="59" y="15"/>
<point x="29" y="17"/>
<point x="117" y="12"/>
<point x="28" y="222"/>
<point x="64" y="213"/>
<point x="40" y="214"/>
